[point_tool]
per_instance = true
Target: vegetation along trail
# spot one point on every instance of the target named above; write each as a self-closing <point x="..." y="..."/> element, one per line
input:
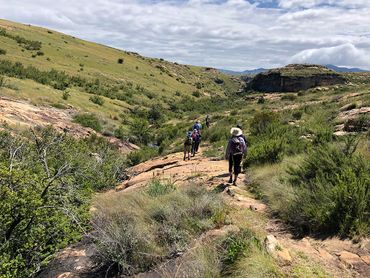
<point x="293" y="256"/>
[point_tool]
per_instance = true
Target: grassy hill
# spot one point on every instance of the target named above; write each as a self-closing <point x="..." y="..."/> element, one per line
<point x="123" y="79"/>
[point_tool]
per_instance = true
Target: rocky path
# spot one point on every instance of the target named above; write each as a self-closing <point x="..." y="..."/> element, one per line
<point x="23" y="114"/>
<point x="339" y="258"/>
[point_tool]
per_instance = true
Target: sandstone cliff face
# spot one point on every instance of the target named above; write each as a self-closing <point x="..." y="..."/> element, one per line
<point x="293" y="78"/>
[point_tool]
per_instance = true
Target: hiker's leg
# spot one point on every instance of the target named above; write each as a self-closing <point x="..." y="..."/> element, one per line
<point x="237" y="168"/>
<point x="230" y="169"/>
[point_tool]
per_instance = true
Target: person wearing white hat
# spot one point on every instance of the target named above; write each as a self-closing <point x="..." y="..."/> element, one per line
<point x="235" y="150"/>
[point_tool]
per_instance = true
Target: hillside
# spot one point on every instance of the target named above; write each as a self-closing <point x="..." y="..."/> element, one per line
<point x="125" y="80"/>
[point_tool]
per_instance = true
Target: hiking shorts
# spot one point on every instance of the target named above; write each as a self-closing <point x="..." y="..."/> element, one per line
<point x="235" y="161"/>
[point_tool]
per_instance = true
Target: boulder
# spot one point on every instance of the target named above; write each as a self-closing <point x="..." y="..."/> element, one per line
<point x="277" y="251"/>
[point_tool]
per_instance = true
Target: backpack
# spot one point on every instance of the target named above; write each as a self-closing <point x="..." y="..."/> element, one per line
<point x="188" y="140"/>
<point x="237" y="145"/>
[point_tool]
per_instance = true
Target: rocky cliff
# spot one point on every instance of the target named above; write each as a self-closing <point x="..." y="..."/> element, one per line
<point x="295" y="77"/>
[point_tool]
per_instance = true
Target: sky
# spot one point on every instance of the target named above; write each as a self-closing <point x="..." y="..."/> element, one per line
<point x="227" y="34"/>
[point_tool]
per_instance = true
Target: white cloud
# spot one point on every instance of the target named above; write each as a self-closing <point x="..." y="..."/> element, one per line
<point x="341" y="55"/>
<point x="231" y="34"/>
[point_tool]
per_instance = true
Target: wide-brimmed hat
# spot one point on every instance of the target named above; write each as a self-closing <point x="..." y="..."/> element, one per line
<point x="236" y="131"/>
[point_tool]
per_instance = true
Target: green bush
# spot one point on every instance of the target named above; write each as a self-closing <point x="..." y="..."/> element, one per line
<point x="45" y="190"/>
<point x="156" y="188"/>
<point x="145" y="153"/>
<point x="266" y="151"/>
<point x="332" y="193"/>
<point x="297" y="115"/>
<point x="97" y="100"/>
<point x="2" y="51"/>
<point x="140" y="131"/>
<point x="88" y="120"/>
<point x="261" y="121"/>
<point x="66" y="95"/>
<point x="196" y="94"/>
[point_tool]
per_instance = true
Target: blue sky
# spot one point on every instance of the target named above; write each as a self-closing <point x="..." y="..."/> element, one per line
<point x="230" y="34"/>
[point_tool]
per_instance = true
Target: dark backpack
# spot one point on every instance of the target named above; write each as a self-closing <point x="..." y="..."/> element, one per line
<point x="188" y="140"/>
<point x="236" y="146"/>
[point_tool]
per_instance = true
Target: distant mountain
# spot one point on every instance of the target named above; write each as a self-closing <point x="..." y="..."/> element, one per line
<point x="246" y="72"/>
<point x="344" y="69"/>
<point x="259" y="70"/>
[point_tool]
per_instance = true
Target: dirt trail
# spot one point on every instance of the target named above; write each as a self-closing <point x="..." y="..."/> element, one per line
<point x="341" y="258"/>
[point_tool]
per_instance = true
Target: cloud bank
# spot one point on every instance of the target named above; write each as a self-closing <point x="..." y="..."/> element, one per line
<point x="233" y="34"/>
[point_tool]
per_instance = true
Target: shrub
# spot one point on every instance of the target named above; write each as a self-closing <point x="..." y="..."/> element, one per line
<point x="97" y="100"/>
<point x="332" y="193"/>
<point x="148" y="226"/>
<point x="297" y="115"/>
<point x="88" y="120"/>
<point x="59" y="105"/>
<point x="45" y="191"/>
<point x="2" y="81"/>
<point x="289" y="97"/>
<point x="140" y="131"/>
<point x="266" y="151"/>
<point x="120" y="61"/>
<point x="196" y="94"/>
<point x="120" y="133"/>
<point x="145" y="153"/>
<point x="156" y="114"/>
<point x="66" y="95"/>
<point x="261" y="121"/>
<point x="40" y="53"/>
<point x="261" y="100"/>
<point x="2" y="51"/>
<point x="156" y="188"/>
<point x="358" y="124"/>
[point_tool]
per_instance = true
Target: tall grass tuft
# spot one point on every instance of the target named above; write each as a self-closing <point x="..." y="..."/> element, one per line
<point x="135" y="231"/>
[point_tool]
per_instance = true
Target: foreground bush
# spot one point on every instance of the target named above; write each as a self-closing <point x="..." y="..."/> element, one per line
<point x="46" y="180"/>
<point x="332" y="193"/>
<point x="135" y="231"/>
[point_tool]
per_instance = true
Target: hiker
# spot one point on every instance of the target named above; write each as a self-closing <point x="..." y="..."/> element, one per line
<point x="208" y="121"/>
<point x="188" y="143"/>
<point x="235" y="150"/>
<point x="241" y="128"/>
<point x="197" y="126"/>
<point x="196" y="141"/>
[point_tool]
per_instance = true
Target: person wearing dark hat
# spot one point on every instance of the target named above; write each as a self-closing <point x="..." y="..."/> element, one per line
<point x="235" y="150"/>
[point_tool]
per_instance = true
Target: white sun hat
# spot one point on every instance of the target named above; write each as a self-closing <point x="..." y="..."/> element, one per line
<point x="236" y="131"/>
